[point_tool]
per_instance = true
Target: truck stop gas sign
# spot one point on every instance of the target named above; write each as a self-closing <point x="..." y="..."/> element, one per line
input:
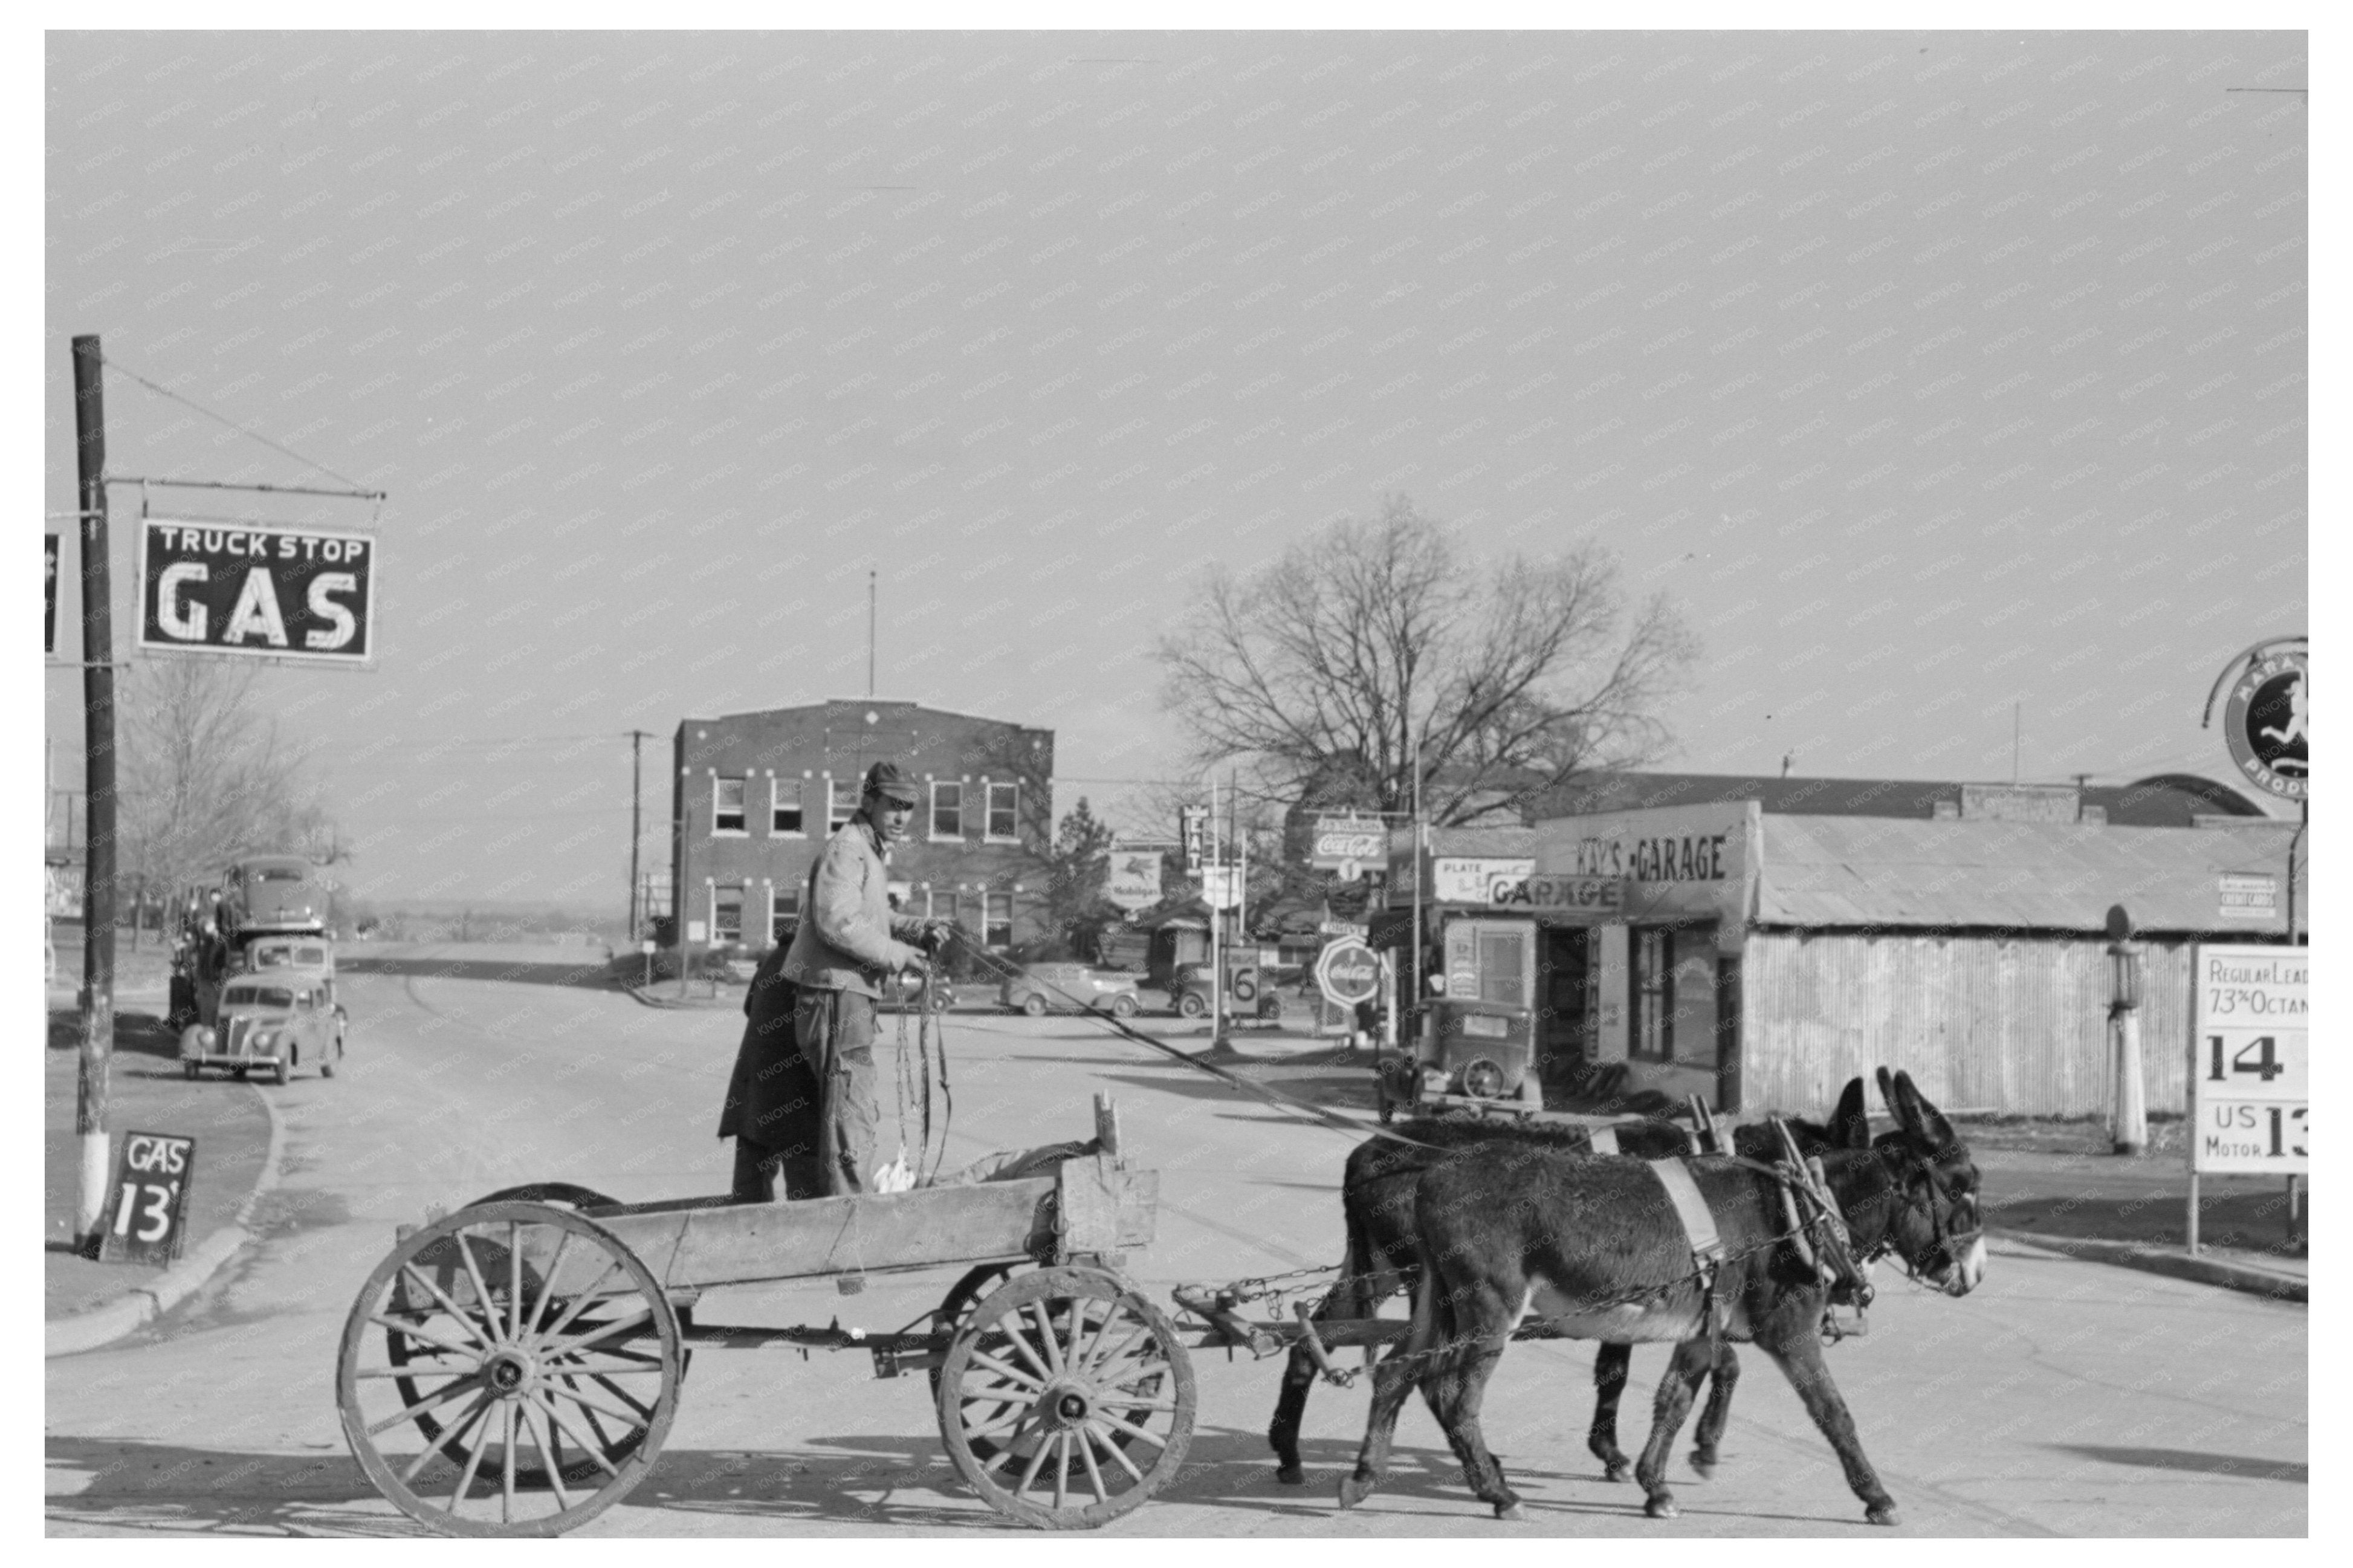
<point x="2249" y="1086"/>
<point x="269" y="592"/>
<point x="147" y="1220"/>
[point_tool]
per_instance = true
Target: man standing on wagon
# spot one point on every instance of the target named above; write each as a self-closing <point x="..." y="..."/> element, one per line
<point x="847" y="944"/>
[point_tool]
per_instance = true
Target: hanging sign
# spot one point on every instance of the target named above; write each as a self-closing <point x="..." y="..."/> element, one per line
<point x="1338" y="840"/>
<point x="2249" y="1088"/>
<point x="1133" y="879"/>
<point x="146" y="1219"/>
<point x="2264" y="722"/>
<point x="256" y="590"/>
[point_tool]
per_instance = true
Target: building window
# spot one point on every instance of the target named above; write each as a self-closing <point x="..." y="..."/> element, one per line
<point x="1003" y="818"/>
<point x="844" y="793"/>
<point x="727" y="915"/>
<point x="1652" y="1038"/>
<point x="942" y="904"/>
<point x="947" y="810"/>
<point x="998" y="931"/>
<point x="783" y="910"/>
<point x="727" y="805"/>
<point x="785" y="807"/>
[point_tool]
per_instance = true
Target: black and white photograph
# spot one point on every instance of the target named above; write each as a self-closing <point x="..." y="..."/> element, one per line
<point x="1327" y="777"/>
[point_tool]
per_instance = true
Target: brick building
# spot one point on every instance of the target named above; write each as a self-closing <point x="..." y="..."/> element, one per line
<point x="758" y="793"/>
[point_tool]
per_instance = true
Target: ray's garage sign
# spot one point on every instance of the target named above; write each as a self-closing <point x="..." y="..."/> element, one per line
<point x="280" y="593"/>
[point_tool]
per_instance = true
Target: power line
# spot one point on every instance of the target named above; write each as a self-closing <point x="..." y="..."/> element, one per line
<point x="255" y="435"/>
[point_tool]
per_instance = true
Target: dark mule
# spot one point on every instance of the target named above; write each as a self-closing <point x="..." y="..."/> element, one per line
<point x="1593" y="1246"/>
<point x="1376" y="1201"/>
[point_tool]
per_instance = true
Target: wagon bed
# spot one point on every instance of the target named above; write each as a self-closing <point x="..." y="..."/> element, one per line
<point x="513" y="1368"/>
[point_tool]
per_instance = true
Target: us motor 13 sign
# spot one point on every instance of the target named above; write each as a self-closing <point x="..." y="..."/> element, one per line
<point x="2249" y="1086"/>
<point x="274" y="592"/>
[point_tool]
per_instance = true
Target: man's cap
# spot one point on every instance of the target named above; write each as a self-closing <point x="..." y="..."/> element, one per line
<point x="885" y="779"/>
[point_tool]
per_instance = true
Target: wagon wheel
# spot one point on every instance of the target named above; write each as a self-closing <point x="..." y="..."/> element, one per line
<point x="1085" y="1389"/>
<point x="509" y="1399"/>
<point x="956" y="1305"/>
<point x="490" y="1256"/>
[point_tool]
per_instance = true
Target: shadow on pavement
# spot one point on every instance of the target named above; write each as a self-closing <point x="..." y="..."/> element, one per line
<point x="2191" y="1460"/>
<point x="883" y="1482"/>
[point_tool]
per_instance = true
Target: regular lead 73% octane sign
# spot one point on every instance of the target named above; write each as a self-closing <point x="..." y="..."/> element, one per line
<point x="2249" y="1080"/>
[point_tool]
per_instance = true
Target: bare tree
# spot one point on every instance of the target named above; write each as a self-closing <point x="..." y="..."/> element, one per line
<point x="1377" y="649"/>
<point x="205" y="775"/>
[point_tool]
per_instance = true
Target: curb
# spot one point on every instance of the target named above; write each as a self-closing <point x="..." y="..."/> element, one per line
<point x="645" y="998"/>
<point x="2277" y="1284"/>
<point x="141" y="1305"/>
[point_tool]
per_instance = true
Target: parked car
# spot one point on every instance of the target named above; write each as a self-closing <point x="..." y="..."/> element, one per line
<point x="1040" y="988"/>
<point x="901" y="991"/>
<point x="274" y="1024"/>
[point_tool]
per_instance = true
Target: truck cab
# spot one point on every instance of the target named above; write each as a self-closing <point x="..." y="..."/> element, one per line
<point x="1473" y="1032"/>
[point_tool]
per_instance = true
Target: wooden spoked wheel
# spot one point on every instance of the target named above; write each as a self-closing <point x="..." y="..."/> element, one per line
<point x="511" y="1369"/>
<point x="1066" y="1399"/>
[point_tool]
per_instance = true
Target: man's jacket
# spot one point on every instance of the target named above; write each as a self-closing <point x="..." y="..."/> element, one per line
<point x="848" y="939"/>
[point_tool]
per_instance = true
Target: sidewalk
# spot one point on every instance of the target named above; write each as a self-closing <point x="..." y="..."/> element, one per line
<point x="227" y="1119"/>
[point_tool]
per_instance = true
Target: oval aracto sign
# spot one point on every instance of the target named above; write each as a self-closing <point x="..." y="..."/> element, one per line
<point x="2264" y="721"/>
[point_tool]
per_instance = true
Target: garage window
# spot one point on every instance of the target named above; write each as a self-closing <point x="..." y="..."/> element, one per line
<point x="1652" y="1038"/>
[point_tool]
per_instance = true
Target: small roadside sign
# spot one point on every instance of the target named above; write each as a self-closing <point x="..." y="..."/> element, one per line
<point x="2249" y="1085"/>
<point x="1342" y="928"/>
<point x="147" y="1218"/>
<point x="1348" y="973"/>
<point x="1339" y="840"/>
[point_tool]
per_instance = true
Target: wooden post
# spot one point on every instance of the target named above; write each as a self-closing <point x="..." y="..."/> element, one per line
<point x="98" y="744"/>
<point x="2193" y="1204"/>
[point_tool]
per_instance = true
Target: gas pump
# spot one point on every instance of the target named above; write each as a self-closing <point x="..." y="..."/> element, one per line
<point x="1473" y="1036"/>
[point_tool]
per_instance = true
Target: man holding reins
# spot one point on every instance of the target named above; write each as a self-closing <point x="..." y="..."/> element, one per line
<point x="847" y="944"/>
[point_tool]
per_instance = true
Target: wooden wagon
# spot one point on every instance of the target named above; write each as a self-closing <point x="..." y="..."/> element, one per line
<point x="513" y="1368"/>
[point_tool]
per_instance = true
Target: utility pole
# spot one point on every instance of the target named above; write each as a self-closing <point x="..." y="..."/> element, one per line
<point x="869" y="634"/>
<point x="678" y="878"/>
<point x="637" y="738"/>
<point x="98" y="742"/>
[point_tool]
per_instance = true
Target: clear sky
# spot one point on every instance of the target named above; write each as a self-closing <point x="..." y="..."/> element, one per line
<point x="1931" y="374"/>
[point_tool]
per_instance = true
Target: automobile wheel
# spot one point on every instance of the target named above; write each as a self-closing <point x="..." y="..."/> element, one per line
<point x="192" y="1069"/>
<point x="1270" y="1006"/>
<point x="941" y="1000"/>
<point x="1122" y="1006"/>
<point x="1034" y="1005"/>
<point x="1190" y="1005"/>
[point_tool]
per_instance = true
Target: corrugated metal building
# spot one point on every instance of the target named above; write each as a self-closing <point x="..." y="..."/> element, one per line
<point x="1763" y="956"/>
<point x="1973" y="953"/>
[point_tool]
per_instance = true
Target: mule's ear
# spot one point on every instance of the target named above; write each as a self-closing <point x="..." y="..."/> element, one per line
<point x="1851" y="1123"/>
<point x="1894" y="1101"/>
<point x="1927" y="1118"/>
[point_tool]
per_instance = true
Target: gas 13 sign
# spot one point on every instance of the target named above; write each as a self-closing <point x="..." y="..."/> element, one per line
<point x="2250" y="1091"/>
<point x="272" y="592"/>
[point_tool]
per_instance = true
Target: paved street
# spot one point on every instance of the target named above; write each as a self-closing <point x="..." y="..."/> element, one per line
<point x="2061" y="1398"/>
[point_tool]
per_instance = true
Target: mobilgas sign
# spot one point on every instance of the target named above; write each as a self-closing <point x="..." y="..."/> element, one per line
<point x="270" y="592"/>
